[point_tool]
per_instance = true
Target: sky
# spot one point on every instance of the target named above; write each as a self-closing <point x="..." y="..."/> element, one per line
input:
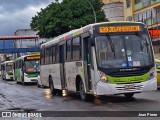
<point x="17" y="14"/>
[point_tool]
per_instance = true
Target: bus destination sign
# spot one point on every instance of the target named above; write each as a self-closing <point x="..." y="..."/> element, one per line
<point x="107" y="29"/>
<point x="10" y="63"/>
<point x="32" y="57"/>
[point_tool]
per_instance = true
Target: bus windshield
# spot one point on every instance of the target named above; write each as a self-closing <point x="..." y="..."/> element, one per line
<point x="31" y="66"/>
<point x="9" y="68"/>
<point x="123" y="51"/>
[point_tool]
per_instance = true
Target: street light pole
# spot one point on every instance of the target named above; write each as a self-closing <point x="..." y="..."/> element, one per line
<point x="93" y="11"/>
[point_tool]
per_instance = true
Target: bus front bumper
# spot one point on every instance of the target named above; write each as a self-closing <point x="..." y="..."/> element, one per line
<point x="111" y="89"/>
<point x="30" y="79"/>
<point x="9" y="77"/>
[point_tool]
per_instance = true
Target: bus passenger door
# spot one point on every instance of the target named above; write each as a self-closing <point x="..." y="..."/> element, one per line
<point x="62" y="69"/>
<point x="90" y="65"/>
<point x="87" y="64"/>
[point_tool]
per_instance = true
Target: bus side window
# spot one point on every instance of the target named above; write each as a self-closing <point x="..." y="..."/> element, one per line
<point x="76" y="48"/>
<point x="41" y="56"/>
<point x="50" y="55"/>
<point x="13" y="65"/>
<point x="68" y="50"/>
<point x="57" y="53"/>
<point x="46" y="58"/>
<point x="53" y="55"/>
<point x="3" y="67"/>
<point x="45" y="54"/>
<point x="18" y="64"/>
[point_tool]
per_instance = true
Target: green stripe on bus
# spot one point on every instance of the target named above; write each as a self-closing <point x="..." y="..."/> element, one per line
<point x="132" y="79"/>
<point x="32" y="75"/>
<point x="17" y="73"/>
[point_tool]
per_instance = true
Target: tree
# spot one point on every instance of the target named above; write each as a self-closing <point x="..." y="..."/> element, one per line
<point x="58" y="18"/>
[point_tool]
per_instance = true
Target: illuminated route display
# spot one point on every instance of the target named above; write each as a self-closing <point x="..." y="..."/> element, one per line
<point x="10" y="63"/>
<point x="107" y="29"/>
<point x="32" y="58"/>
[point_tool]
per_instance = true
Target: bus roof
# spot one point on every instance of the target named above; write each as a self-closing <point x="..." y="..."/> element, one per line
<point x="22" y="57"/>
<point x="6" y="62"/>
<point x="79" y="31"/>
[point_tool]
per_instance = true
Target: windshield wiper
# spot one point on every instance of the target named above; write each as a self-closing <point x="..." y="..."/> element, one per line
<point x="111" y="44"/>
<point x="145" y="43"/>
<point x="144" y="39"/>
<point x="139" y="35"/>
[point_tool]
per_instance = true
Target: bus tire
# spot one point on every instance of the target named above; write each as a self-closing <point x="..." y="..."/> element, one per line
<point x="51" y="86"/>
<point x="22" y="80"/>
<point x="38" y="85"/>
<point x="84" y="96"/>
<point x="59" y="92"/>
<point x="129" y="95"/>
<point x="17" y="81"/>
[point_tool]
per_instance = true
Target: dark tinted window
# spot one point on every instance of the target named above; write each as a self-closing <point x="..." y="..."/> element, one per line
<point x="57" y="53"/>
<point x="53" y="55"/>
<point x="76" y="48"/>
<point x="68" y="50"/>
<point x="128" y="2"/>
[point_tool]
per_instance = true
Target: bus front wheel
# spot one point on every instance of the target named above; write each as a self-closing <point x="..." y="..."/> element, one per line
<point x="84" y="96"/>
<point x="129" y="95"/>
<point x="22" y="78"/>
<point x="51" y="86"/>
<point x="17" y="82"/>
<point x="38" y="85"/>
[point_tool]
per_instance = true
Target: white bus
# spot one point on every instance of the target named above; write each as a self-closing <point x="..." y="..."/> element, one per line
<point x="7" y="70"/>
<point x="106" y="58"/>
<point x="26" y="68"/>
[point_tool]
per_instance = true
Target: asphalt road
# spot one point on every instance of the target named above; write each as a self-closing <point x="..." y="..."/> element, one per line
<point x="18" y="97"/>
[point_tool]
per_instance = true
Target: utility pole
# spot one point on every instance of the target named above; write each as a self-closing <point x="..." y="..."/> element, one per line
<point x="95" y="19"/>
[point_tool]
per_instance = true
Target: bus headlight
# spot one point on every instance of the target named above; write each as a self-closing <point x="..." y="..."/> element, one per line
<point x="151" y="74"/>
<point x="103" y="77"/>
<point x="25" y="75"/>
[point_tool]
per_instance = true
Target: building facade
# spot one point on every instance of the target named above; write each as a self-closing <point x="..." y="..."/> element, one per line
<point x="148" y="12"/>
<point x="113" y="10"/>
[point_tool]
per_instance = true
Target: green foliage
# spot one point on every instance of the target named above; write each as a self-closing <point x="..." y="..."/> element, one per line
<point x="58" y="18"/>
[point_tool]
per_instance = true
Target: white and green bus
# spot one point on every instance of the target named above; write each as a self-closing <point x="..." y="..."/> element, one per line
<point x="106" y="58"/>
<point x="7" y="70"/>
<point x="26" y="68"/>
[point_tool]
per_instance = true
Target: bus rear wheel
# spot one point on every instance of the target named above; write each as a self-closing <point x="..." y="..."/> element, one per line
<point x="51" y="86"/>
<point x="129" y="95"/>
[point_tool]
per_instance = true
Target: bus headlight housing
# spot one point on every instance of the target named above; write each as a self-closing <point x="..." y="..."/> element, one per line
<point x="103" y="77"/>
<point x="151" y="74"/>
<point x="26" y="75"/>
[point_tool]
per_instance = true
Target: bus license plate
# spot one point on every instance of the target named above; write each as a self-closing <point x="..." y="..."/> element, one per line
<point x="33" y="80"/>
<point x="129" y="86"/>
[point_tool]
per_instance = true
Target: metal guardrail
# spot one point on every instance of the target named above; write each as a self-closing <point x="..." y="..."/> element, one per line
<point x="19" y="50"/>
